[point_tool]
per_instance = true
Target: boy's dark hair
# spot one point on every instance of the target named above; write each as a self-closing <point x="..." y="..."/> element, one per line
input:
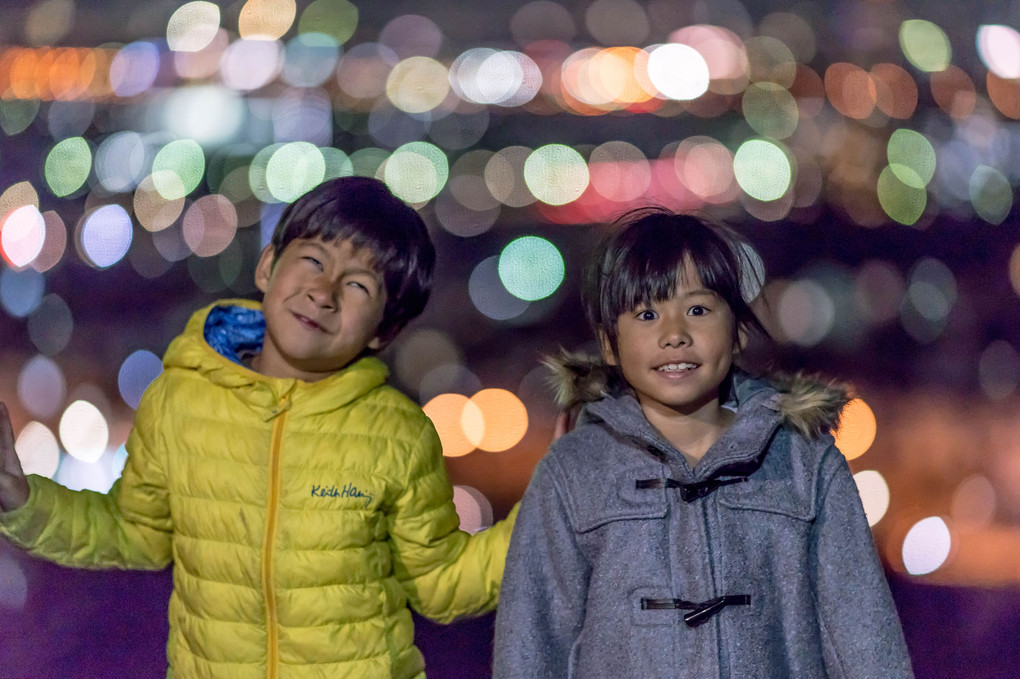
<point x="642" y="259"/>
<point x="363" y="211"/>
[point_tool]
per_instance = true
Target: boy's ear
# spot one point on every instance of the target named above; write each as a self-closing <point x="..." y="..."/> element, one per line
<point x="264" y="268"/>
<point x="608" y="355"/>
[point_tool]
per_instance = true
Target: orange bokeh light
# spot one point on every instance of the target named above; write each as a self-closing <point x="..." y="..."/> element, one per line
<point x="498" y="422"/>
<point x="447" y="414"/>
<point x="857" y="429"/>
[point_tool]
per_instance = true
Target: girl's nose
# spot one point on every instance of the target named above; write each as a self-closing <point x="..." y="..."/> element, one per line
<point x="674" y="335"/>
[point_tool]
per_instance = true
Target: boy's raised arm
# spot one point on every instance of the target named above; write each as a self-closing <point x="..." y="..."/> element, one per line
<point x="13" y="484"/>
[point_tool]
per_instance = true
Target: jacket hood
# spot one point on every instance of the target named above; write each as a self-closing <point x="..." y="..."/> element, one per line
<point x="809" y="404"/>
<point x="218" y="336"/>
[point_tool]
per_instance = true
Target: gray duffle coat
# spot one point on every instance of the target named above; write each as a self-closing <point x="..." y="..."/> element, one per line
<point x="758" y="562"/>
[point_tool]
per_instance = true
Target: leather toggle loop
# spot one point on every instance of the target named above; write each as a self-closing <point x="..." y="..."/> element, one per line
<point x="699" y="613"/>
<point x="689" y="492"/>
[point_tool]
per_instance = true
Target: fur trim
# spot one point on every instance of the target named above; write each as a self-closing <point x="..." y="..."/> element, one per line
<point x="810" y="404"/>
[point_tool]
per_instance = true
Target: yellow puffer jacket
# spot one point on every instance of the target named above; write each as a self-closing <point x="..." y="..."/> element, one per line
<point x="301" y="519"/>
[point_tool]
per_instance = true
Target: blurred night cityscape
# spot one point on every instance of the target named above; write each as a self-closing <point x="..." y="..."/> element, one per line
<point x="868" y="149"/>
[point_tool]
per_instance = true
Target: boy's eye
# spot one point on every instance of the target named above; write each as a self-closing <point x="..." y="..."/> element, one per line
<point x="358" y="285"/>
<point x="312" y="260"/>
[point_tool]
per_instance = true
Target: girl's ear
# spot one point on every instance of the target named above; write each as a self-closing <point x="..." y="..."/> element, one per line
<point x="608" y="355"/>
<point x="741" y="342"/>
<point x="264" y="268"/>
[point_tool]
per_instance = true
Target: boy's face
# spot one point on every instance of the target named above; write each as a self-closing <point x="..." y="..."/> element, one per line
<point x="323" y="303"/>
<point x="675" y="353"/>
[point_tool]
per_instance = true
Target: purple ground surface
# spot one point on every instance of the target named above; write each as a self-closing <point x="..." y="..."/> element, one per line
<point x="112" y="625"/>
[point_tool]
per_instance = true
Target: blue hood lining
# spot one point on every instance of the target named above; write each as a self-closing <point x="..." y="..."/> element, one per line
<point x="234" y="332"/>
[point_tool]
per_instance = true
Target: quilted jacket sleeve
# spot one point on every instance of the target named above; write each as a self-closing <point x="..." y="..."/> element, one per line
<point x="446" y="573"/>
<point x="127" y="528"/>
<point x="860" y="627"/>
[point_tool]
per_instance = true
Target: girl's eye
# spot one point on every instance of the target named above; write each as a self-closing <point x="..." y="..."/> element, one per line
<point x="646" y="315"/>
<point x="697" y="310"/>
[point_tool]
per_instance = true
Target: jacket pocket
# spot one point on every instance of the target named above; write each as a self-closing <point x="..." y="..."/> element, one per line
<point x="593" y="504"/>
<point x="770" y="495"/>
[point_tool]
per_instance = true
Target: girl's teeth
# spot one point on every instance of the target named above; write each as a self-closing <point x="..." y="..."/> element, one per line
<point x="676" y="367"/>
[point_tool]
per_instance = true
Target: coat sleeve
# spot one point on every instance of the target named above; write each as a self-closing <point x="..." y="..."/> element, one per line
<point x="545" y="586"/>
<point x="860" y="627"/>
<point x="446" y="572"/>
<point x="127" y="528"/>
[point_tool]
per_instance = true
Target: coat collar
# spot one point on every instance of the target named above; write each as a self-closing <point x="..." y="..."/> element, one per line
<point x="738" y="451"/>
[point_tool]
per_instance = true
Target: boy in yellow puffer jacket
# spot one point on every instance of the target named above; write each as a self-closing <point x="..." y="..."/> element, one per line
<point x="303" y="502"/>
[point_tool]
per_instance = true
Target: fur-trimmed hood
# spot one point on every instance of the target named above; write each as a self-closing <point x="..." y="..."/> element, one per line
<point x="809" y="404"/>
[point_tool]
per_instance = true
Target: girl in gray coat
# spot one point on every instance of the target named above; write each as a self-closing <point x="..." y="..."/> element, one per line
<point x="697" y="522"/>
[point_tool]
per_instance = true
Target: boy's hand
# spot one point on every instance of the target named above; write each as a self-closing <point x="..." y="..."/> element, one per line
<point x="13" y="485"/>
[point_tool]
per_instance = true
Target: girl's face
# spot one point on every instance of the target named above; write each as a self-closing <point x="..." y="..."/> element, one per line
<point x="675" y="353"/>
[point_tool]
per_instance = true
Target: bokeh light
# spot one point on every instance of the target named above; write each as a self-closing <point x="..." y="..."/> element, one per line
<point x="925" y="45"/>
<point x="136" y="374"/>
<point x="192" y="26"/>
<point x="447" y="412"/>
<point x="417" y="172"/>
<point x="106" y="235"/>
<point x="41" y="387"/>
<point x="22" y="234"/>
<point x="874" y="492"/>
<point x="806" y="312"/>
<point x="21" y="292"/>
<point x="999" y="48"/>
<point x="857" y="429"/>
<point x="678" y="71"/>
<point x="38" y="450"/>
<point x="473" y="508"/>
<point x="50" y="325"/>
<point x="927" y="546"/>
<point x="973" y="502"/>
<point x="293" y="170"/>
<point x="556" y="174"/>
<point x="498" y="421"/>
<point x="762" y="169"/>
<point x="68" y="165"/>
<point x="84" y="431"/>
<point x="531" y="268"/>
<point x="489" y="294"/>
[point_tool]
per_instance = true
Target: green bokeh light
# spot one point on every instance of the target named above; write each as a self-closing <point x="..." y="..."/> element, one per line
<point x="417" y="172"/>
<point x="901" y="201"/>
<point x="338" y="163"/>
<point x="17" y="114"/>
<point x="531" y="268"/>
<point x="991" y="194"/>
<point x="925" y="45"/>
<point x="178" y="168"/>
<point x="556" y="174"/>
<point x="762" y="169"/>
<point x="336" y="18"/>
<point x="770" y="110"/>
<point x="67" y="166"/>
<point x="258" y="177"/>
<point x="911" y="157"/>
<point x="293" y="170"/>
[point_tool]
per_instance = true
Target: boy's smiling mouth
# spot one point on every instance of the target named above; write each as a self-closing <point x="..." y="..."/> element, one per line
<point x="308" y="322"/>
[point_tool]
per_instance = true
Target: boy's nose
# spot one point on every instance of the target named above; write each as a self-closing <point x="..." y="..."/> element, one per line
<point x="323" y="295"/>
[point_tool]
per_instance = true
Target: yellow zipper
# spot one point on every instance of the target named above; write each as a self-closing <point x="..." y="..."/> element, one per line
<point x="272" y="639"/>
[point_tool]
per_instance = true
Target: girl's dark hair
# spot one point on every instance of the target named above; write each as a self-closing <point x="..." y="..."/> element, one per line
<point x="362" y="210"/>
<point x="641" y="260"/>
